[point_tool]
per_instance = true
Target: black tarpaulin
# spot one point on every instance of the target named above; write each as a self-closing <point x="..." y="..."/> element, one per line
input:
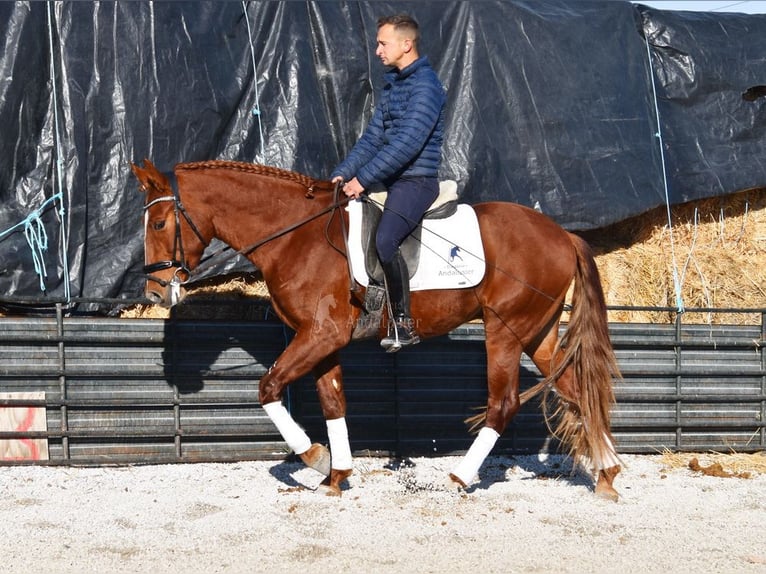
<point x="715" y="140"/>
<point x="550" y="104"/>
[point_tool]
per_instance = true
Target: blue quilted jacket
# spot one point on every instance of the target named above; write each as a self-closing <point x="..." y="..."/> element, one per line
<point x="404" y="136"/>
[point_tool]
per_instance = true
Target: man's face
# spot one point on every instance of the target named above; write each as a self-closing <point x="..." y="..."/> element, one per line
<point x="392" y="46"/>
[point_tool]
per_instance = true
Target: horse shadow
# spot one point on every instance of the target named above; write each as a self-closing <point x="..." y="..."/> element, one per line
<point x="295" y="475"/>
<point x="495" y="469"/>
<point x="552" y="467"/>
<point x="208" y="342"/>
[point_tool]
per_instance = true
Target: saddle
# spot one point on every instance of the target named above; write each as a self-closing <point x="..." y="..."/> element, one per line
<point x="445" y="252"/>
<point x="444" y="206"/>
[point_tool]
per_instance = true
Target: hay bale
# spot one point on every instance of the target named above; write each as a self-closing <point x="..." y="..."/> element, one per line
<point x="714" y="248"/>
<point x="233" y="297"/>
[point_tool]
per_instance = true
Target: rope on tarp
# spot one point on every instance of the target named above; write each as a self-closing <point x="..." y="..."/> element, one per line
<point x="37" y="237"/>
<point x="256" y="109"/>
<point x="32" y="224"/>
<point x="676" y="280"/>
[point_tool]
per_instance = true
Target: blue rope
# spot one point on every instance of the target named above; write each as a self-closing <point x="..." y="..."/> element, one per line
<point x="658" y="135"/>
<point x="36" y="236"/>
<point x="34" y="230"/>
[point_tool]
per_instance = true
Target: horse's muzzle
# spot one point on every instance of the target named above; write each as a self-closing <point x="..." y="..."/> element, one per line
<point x="166" y="294"/>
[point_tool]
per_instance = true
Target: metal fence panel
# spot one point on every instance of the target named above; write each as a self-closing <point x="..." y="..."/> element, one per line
<point x="124" y="390"/>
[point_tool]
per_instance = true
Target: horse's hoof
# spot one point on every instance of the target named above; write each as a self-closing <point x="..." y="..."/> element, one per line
<point x="318" y="458"/>
<point x="454" y="484"/>
<point x="329" y="490"/>
<point x="331" y="485"/>
<point x="604" y="488"/>
<point x="608" y="494"/>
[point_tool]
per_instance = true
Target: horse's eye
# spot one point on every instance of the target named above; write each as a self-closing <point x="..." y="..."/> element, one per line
<point x="158" y="225"/>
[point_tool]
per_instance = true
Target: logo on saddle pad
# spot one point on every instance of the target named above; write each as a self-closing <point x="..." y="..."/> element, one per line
<point x="444" y="253"/>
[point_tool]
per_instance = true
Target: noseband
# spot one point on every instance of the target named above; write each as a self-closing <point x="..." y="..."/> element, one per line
<point x="178" y="247"/>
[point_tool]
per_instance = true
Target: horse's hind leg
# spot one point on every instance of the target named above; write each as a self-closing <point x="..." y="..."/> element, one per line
<point x="503" y="362"/>
<point x="603" y="457"/>
<point x="547" y="356"/>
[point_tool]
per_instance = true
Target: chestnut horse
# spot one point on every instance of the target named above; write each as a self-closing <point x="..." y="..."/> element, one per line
<point x="291" y="227"/>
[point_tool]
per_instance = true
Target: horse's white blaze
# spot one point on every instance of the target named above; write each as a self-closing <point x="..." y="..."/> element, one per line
<point x="468" y="468"/>
<point x="175" y="291"/>
<point x="146" y="228"/>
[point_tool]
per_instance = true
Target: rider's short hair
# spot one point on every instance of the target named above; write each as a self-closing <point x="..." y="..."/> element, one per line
<point x="402" y="23"/>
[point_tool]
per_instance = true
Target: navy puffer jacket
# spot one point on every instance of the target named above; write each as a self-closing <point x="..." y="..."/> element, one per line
<point x="404" y="137"/>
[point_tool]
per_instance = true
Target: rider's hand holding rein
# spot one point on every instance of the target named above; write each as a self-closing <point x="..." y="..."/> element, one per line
<point x="351" y="188"/>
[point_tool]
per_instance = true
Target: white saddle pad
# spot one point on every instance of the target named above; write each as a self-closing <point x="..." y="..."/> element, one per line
<point x="451" y="254"/>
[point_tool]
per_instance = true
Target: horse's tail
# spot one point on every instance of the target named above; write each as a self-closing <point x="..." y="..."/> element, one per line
<point x="584" y="428"/>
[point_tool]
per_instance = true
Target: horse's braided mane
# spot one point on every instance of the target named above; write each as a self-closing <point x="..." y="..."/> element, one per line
<point x="255" y="168"/>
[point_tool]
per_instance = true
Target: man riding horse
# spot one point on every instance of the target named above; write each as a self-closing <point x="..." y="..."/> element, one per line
<point x="401" y="151"/>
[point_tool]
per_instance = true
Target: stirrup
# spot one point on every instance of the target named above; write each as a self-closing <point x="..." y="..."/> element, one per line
<point x="403" y="335"/>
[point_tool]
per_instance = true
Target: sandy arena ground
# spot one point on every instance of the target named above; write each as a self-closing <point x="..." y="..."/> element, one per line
<point x="522" y="516"/>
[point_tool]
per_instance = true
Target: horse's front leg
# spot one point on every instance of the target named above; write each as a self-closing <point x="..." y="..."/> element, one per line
<point x="333" y="401"/>
<point x="300" y="356"/>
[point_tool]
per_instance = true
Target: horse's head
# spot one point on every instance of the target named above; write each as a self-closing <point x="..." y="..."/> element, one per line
<point x="172" y="243"/>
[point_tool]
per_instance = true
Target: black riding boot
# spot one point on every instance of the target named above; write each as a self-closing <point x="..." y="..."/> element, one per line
<point x="401" y="332"/>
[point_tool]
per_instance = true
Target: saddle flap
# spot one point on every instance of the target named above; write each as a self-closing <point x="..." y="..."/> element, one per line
<point x="410" y="248"/>
<point x="450" y="251"/>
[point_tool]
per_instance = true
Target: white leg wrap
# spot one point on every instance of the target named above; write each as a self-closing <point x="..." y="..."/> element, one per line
<point x="295" y="437"/>
<point x="468" y="468"/>
<point x="340" y="449"/>
<point x="610" y="458"/>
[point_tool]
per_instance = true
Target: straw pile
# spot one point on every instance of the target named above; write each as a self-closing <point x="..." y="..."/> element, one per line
<point x="722" y="465"/>
<point x="234" y="297"/>
<point x="715" y="247"/>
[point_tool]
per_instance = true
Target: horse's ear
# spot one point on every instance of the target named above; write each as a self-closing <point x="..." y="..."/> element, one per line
<point x="149" y="166"/>
<point x="155" y="176"/>
<point x="150" y="177"/>
<point x="141" y="175"/>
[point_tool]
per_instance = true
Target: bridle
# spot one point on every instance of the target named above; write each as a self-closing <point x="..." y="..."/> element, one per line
<point x="180" y="263"/>
<point x="179" y="256"/>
